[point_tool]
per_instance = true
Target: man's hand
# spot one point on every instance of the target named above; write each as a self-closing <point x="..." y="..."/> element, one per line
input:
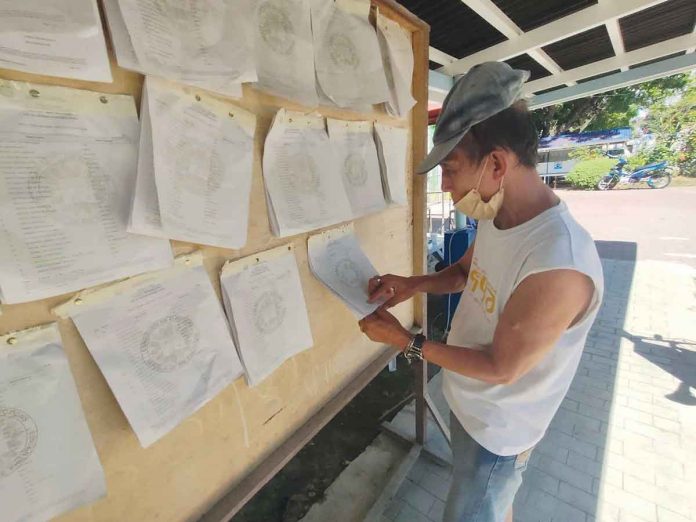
<point x="383" y="327"/>
<point x="392" y="288"/>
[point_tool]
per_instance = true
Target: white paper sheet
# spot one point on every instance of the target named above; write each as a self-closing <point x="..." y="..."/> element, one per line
<point x="120" y="39"/>
<point x="302" y="178"/>
<point x="392" y="147"/>
<point x="67" y="170"/>
<point x="195" y="167"/>
<point x="336" y="259"/>
<point x="347" y="56"/>
<point x="356" y="155"/>
<point x="48" y="463"/>
<point x="57" y="38"/>
<point x="397" y="56"/>
<point x="267" y="310"/>
<point x="204" y="43"/>
<point x="162" y="343"/>
<point x="284" y="50"/>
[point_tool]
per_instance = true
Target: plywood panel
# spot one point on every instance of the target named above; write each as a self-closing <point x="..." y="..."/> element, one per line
<point x="183" y="474"/>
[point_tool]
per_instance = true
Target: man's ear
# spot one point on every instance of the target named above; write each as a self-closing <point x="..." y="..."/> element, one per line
<point x="500" y="160"/>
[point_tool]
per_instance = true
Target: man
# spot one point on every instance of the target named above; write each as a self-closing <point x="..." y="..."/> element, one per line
<point x="532" y="284"/>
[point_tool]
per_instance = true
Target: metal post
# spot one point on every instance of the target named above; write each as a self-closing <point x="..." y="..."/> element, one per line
<point x="421" y="372"/>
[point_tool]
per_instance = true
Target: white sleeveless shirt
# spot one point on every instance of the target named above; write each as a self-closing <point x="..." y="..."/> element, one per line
<point x="511" y="418"/>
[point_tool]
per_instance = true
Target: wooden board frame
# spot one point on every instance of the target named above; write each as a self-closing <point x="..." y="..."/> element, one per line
<point x="214" y="462"/>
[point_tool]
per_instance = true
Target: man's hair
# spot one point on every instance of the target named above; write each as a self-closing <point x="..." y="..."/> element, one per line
<point x="511" y="129"/>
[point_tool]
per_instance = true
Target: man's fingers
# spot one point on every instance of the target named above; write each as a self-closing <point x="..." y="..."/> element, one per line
<point x="380" y="292"/>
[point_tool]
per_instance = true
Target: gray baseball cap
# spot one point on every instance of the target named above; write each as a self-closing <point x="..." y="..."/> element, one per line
<point x="485" y="90"/>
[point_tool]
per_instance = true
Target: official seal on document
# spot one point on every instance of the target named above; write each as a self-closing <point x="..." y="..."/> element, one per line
<point x="343" y="52"/>
<point x="269" y="311"/>
<point x="355" y="170"/>
<point x="169" y="343"/>
<point x="18" y="436"/>
<point x="276" y="28"/>
<point x="348" y="273"/>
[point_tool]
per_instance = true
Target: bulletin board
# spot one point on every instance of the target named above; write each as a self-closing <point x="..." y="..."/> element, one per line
<point x="219" y="457"/>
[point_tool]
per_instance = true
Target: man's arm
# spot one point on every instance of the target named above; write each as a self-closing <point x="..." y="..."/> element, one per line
<point x="539" y="311"/>
<point x="397" y="289"/>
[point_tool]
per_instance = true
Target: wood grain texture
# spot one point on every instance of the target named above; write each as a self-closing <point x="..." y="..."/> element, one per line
<point x="181" y="476"/>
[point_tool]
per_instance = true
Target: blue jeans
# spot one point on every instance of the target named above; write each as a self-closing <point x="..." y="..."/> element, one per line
<point x="483" y="484"/>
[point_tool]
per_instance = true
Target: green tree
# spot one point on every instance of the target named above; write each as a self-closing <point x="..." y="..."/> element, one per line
<point x="674" y="124"/>
<point x="606" y="110"/>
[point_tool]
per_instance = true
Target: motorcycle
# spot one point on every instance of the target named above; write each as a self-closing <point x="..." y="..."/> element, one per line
<point x="655" y="175"/>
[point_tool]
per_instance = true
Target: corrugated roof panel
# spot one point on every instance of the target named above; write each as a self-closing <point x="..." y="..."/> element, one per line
<point x="454" y="28"/>
<point x="641" y="64"/>
<point x="530" y="14"/>
<point x="598" y="76"/>
<point x="657" y="24"/>
<point x="527" y="63"/>
<point x="581" y="49"/>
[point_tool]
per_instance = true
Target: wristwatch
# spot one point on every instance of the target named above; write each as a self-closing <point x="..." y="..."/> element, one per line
<point x="414" y="350"/>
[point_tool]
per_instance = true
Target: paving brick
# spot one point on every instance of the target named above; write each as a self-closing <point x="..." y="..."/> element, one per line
<point x="629" y="467"/>
<point x="565" y="440"/>
<point x="648" y="491"/>
<point x="577" y="498"/>
<point x="537" y="478"/>
<point x="667" y="425"/>
<point x="611" y="476"/>
<point x="552" y="449"/>
<point x="392" y="509"/>
<point x="415" y="496"/>
<point x="666" y="515"/>
<point x="630" y="503"/>
<point x="584" y="464"/>
<point x="607" y="512"/>
<point x="436" y="485"/>
<point x="565" y="473"/>
<point x="437" y="511"/>
<point x="409" y="514"/>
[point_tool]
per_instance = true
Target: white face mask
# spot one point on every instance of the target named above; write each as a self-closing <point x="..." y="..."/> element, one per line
<point x="473" y="206"/>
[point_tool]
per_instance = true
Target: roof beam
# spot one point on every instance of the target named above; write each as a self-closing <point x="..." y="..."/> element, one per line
<point x="615" y="35"/>
<point x="437" y="56"/>
<point x="616" y="39"/>
<point x="614" y="81"/>
<point x="492" y="14"/>
<point x="560" y="29"/>
<point x="644" y="54"/>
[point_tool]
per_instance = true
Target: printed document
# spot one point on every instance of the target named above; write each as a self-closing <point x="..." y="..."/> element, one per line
<point x="207" y="44"/>
<point x="336" y="259"/>
<point x="56" y="38"/>
<point x="67" y="171"/>
<point x="347" y="55"/>
<point x="267" y="310"/>
<point x="194" y="168"/>
<point x="284" y="50"/>
<point x="48" y="463"/>
<point x="356" y="155"/>
<point x="162" y="343"/>
<point x="397" y="55"/>
<point x="392" y="146"/>
<point x="302" y="177"/>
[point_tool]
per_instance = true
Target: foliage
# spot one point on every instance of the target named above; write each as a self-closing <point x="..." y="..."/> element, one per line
<point x="660" y="152"/>
<point x="674" y="125"/>
<point x="586" y="153"/>
<point x="586" y="174"/>
<point x="606" y="110"/>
